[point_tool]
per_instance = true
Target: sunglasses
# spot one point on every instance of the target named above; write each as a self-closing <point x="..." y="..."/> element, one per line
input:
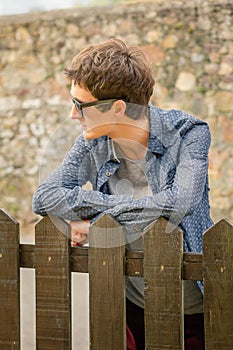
<point x="80" y="105"/>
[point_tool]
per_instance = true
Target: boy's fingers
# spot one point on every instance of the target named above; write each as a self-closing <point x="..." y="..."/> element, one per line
<point x="80" y="238"/>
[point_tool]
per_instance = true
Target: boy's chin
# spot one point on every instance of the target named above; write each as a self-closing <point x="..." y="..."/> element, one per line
<point x="95" y="132"/>
<point x="89" y="135"/>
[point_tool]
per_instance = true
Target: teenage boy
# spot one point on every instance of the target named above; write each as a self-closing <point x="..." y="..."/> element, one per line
<point x="143" y="162"/>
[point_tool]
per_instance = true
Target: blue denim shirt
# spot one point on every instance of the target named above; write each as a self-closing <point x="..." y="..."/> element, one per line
<point x="176" y="169"/>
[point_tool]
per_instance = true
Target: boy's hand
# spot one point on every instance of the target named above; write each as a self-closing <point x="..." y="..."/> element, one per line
<point x="79" y="232"/>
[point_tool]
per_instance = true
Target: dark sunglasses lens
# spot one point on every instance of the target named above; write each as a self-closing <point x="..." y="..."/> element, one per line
<point x="78" y="107"/>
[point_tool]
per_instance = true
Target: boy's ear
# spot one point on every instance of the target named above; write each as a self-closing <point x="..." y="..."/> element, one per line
<point x="119" y="107"/>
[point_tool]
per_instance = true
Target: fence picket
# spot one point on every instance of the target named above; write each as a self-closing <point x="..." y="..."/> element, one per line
<point x="9" y="283"/>
<point x="162" y="264"/>
<point x="53" y="287"/>
<point x="107" y="285"/>
<point x="163" y="287"/>
<point x="218" y="286"/>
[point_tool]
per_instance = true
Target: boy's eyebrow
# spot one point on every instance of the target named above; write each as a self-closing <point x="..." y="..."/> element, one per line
<point x="76" y="98"/>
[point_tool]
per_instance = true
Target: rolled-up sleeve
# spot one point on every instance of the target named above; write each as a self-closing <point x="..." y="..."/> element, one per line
<point x="61" y="194"/>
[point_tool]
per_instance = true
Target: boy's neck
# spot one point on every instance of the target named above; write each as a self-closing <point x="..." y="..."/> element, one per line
<point x="133" y="138"/>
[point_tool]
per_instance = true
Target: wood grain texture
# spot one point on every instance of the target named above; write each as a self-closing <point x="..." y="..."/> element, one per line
<point x="107" y="285"/>
<point x="191" y="268"/>
<point x="218" y="286"/>
<point x="53" y="287"/>
<point x="163" y="265"/>
<point x="9" y="283"/>
<point x="163" y="254"/>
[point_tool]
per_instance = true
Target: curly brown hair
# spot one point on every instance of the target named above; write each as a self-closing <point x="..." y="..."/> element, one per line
<point x="113" y="70"/>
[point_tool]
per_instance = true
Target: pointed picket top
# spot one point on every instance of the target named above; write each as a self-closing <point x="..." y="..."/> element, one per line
<point x="107" y="284"/>
<point x="7" y="217"/>
<point x="160" y="221"/>
<point x="106" y="232"/>
<point x="163" y="254"/>
<point x="218" y="285"/>
<point x="41" y="222"/>
<point x="223" y="225"/>
<point x="9" y="282"/>
<point x="162" y="224"/>
<point x="106" y="221"/>
<point x="53" y="285"/>
<point x="54" y="223"/>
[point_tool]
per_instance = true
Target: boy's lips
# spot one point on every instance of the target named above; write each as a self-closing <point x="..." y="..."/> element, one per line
<point x="82" y="125"/>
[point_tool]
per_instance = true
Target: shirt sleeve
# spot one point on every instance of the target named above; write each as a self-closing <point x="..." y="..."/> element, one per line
<point x="182" y="196"/>
<point x="61" y="194"/>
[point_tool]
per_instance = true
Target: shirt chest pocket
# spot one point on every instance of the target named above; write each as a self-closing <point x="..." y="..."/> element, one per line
<point x="103" y="175"/>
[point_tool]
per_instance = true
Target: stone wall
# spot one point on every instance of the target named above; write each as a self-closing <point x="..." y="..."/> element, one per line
<point x="191" y="48"/>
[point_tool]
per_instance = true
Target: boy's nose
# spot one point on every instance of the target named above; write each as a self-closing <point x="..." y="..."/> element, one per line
<point x="74" y="114"/>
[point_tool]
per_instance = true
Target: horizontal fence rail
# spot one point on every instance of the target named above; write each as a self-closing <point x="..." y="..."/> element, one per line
<point x="163" y="264"/>
<point x="133" y="260"/>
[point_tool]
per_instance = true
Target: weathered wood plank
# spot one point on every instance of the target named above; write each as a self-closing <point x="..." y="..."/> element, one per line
<point x="192" y="267"/>
<point x="218" y="286"/>
<point x="27" y="255"/>
<point x="53" y="258"/>
<point x="134" y="263"/>
<point x="9" y="283"/>
<point x="53" y="287"/>
<point x="191" y="270"/>
<point x="107" y="285"/>
<point x="163" y="254"/>
<point x="79" y="259"/>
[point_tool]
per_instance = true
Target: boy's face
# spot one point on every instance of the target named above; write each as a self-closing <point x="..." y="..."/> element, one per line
<point x="93" y="122"/>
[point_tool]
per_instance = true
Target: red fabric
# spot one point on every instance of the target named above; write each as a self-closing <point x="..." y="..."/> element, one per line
<point x="135" y="322"/>
<point x="194" y="338"/>
<point x="193" y="329"/>
<point x="130" y="340"/>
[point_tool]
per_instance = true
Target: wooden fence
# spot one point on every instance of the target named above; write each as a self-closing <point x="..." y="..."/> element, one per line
<point x="163" y="265"/>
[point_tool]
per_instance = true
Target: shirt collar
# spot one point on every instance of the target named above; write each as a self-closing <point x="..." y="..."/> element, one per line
<point x="163" y="131"/>
<point x="162" y="135"/>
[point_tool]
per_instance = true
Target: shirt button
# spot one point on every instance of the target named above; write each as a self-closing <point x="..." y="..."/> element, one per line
<point x="108" y="173"/>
